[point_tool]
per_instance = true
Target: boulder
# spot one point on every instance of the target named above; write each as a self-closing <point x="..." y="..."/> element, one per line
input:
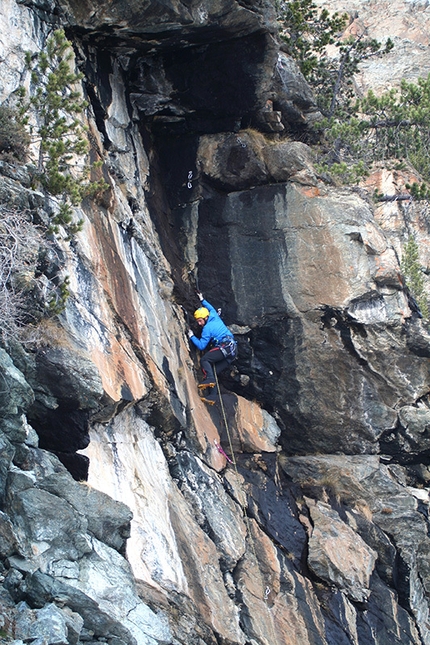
<point x="337" y="554"/>
<point x="290" y="160"/>
<point x="47" y="526"/>
<point x="67" y="386"/>
<point x="108" y="520"/>
<point x="294" y="98"/>
<point x="16" y="395"/>
<point x="232" y="161"/>
<point x="411" y="438"/>
<point x="69" y="376"/>
<point x="48" y="624"/>
<point x="8" y="539"/>
<point x="6" y="455"/>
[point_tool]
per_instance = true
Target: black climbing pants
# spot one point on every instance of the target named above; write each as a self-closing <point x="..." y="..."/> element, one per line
<point x="214" y="357"/>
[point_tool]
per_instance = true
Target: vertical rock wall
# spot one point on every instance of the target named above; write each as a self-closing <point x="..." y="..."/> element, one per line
<point x="313" y="530"/>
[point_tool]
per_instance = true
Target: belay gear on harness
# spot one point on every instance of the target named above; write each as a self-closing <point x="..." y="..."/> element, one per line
<point x="201" y="312"/>
<point x="228" y="346"/>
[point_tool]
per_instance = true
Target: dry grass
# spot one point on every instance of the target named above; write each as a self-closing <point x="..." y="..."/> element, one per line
<point x="47" y="333"/>
<point x="261" y="139"/>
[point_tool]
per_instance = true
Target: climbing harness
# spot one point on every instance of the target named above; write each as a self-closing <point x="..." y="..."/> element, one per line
<point x="228" y="346"/>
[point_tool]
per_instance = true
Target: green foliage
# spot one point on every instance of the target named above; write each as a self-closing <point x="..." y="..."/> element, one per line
<point x="414" y="275"/>
<point x="64" y="218"/>
<point x="59" y="108"/>
<point x="394" y="126"/>
<point x="347" y="174"/>
<point x="14" y="138"/>
<point x="307" y="32"/>
<point x="420" y="192"/>
<point x="58" y="300"/>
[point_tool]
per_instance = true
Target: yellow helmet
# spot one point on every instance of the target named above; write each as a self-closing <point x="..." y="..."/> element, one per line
<point x="202" y="312"/>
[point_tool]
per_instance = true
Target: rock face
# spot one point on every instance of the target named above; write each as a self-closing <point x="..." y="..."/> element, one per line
<point x="405" y="22"/>
<point x="295" y="509"/>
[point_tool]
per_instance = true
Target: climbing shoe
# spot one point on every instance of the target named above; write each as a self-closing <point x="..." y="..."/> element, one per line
<point x="208" y="401"/>
<point x="205" y="384"/>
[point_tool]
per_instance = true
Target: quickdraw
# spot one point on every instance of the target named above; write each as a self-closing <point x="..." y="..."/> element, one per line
<point x="222" y="451"/>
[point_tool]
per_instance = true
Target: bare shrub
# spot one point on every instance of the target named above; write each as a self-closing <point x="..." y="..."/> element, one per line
<point x="20" y="245"/>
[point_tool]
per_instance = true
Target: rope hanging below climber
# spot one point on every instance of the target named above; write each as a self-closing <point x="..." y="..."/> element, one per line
<point x="222" y="353"/>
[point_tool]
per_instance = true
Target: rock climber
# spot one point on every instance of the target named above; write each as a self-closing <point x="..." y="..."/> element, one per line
<point x="216" y="334"/>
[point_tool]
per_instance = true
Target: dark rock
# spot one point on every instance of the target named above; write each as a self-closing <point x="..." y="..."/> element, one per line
<point x="385" y="617"/>
<point x="69" y="376"/>
<point x="16" y="394"/>
<point x="294" y="97"/>
<point x="386" y="564"/>
<point x="128" y="24"/>
<point x="76" y="464"/>
<point x="68" y="387"/>
<point x="12" y="584"/>
<point x="22" y="174"/>
<point x="8" y="540"/>
<point x="232" y="161"/>
<point x="6" y="455"/>
<point x="217" y="87"/>
<point x="24" y="457"/>
<point x="107" y="519"/>
<point x="15" y="196"/>
<point x="64" y="429"/>
<point x="39" y="516"/>
<point x="49" y="624"/>
<point x="276" y="511"/>
<point x="409" y="442"/>
<point x="39" y="462"/>
<point x="41" y="589"/>
<point x="17" y="481"/>
<point x="213" y="505"/>
<point x="417" y="338"/>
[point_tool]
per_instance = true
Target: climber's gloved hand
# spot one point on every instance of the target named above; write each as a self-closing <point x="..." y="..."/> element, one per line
<point x="190" y="333"/>
<point x="200" y="296"/>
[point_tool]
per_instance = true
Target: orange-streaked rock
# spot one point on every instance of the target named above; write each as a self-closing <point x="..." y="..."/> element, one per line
<point x="253" y="427"/>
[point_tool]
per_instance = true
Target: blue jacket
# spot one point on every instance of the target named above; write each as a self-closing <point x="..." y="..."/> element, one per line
<point x="214" y="330"/>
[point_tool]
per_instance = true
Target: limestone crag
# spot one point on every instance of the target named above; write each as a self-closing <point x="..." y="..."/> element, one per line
<point x="294" y="511"/>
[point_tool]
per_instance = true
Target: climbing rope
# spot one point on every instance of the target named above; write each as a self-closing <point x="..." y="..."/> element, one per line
<point x="234" y="462"/>
<point x="233" y="457"/>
